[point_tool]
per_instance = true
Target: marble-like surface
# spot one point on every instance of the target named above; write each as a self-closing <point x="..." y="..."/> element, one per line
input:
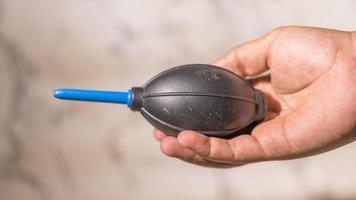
<point x="52" y="149"/>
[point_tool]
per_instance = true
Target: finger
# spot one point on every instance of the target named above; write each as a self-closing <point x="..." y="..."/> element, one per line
<point x="240" y="150"/>
<point x="249" y="59"/>
<point x="159" y="135"/>
<point x="273" y="139"/>
<point x="208" y="147"/>
<point x="171" y="147"/>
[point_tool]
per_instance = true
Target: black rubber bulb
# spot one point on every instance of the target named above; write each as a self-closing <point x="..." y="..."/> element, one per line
<point x="204" y="98"/>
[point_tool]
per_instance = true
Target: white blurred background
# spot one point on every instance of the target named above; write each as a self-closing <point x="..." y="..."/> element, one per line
<point x="52" y="149"/>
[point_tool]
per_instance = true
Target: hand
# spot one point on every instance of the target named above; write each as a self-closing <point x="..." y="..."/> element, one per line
<point x="311" y="93"/>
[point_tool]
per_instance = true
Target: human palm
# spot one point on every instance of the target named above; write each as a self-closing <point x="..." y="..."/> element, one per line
<point x="311" y="93"/>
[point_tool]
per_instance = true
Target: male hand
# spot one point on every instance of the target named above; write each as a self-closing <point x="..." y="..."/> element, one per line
<point x="311" y="93"/>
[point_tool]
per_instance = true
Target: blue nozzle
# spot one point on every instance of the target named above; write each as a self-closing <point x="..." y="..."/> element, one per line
<point x="94" y="95"/>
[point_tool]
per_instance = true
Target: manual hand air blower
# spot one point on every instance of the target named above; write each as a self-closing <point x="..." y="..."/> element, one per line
<point x="204" y="98"/>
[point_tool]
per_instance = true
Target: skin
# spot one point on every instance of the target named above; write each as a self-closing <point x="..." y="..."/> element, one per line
<point x="311" y="92"/>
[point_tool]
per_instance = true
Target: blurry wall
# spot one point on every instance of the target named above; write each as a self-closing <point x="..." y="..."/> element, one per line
<point x="52" y="149"/>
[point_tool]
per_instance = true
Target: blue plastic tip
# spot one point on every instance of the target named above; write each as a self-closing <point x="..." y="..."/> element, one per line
<point x="94" y="95"/>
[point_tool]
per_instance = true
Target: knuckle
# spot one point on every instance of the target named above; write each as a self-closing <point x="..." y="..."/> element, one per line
<point x="281" y="29"/>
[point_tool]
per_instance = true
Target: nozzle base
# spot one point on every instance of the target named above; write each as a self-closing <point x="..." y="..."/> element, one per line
<point x="136" y="94"/>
